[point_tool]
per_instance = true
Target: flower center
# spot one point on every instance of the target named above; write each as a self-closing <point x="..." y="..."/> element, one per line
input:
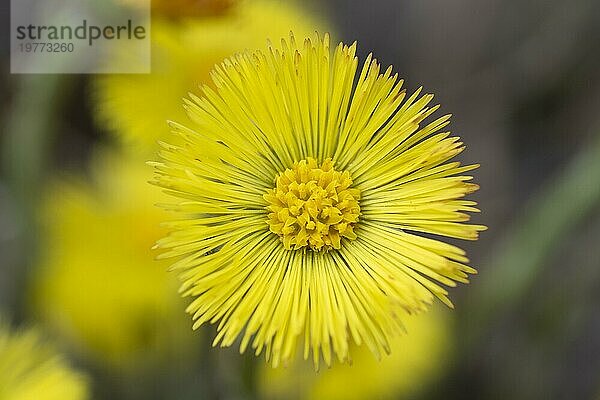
<point x="313" y="206"/>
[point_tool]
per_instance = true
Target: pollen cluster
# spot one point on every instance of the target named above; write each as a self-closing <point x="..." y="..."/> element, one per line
<point x="313" y="206"/>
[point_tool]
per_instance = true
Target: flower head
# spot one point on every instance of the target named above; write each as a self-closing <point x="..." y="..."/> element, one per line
<point x="312" y="202"/>
<point x="97" y="284"/>
<point x="313" y="205"/>
<point x="33" y="369"/>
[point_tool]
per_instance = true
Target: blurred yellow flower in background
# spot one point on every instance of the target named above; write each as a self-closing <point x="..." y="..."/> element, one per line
<point x="97" y="283"/>
<point x="190" y="8"/>
<point x="306" y="193"/>
<point x="183" y="8"/>
<point x="31" y="369"/>
<point x="136" y="107"/>
<point x="416" y="360"/>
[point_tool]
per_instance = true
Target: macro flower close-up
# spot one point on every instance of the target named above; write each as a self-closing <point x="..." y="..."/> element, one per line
<point x="299" y="200"/>
<point x="313" y="196"/>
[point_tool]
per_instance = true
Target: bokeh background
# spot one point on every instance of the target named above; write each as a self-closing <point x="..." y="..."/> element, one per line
<point x="522" y="80"/>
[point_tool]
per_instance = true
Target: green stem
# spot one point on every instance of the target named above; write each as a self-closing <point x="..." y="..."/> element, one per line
<point x="521" y="256"/>
<point x="28" y="132"/>
<point x="29" y="129"/>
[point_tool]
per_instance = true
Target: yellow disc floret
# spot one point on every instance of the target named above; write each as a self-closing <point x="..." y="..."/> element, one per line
<point x="313" y="206"/>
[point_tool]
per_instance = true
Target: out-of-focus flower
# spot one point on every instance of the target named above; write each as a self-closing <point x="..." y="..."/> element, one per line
<point x="304" y="198"/>
<point x="136" y="107"/>
<point x="183" y="8"/>
<point x="32" y="369"/>
<point x="97" y="283"/>
<point x="191" y="8"/>
<point x="417" y="359"/>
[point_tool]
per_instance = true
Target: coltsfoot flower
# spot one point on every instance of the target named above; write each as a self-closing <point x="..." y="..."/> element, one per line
<point x="96" y="283"/>
<point x="313" y="205"/>
<point x="33" y="369"/>
<point x="313" y="200"/>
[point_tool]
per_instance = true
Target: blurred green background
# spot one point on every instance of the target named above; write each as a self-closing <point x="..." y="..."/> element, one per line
<point x="522" y="79"/>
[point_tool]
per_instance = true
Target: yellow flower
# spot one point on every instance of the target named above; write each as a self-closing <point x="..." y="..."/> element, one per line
<point x="136" y="107"/>
<point x="32" y="369"/>
<point x="417" y="359"/>
<point x="97" y="283"/>
<point x="309" y="198"/>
